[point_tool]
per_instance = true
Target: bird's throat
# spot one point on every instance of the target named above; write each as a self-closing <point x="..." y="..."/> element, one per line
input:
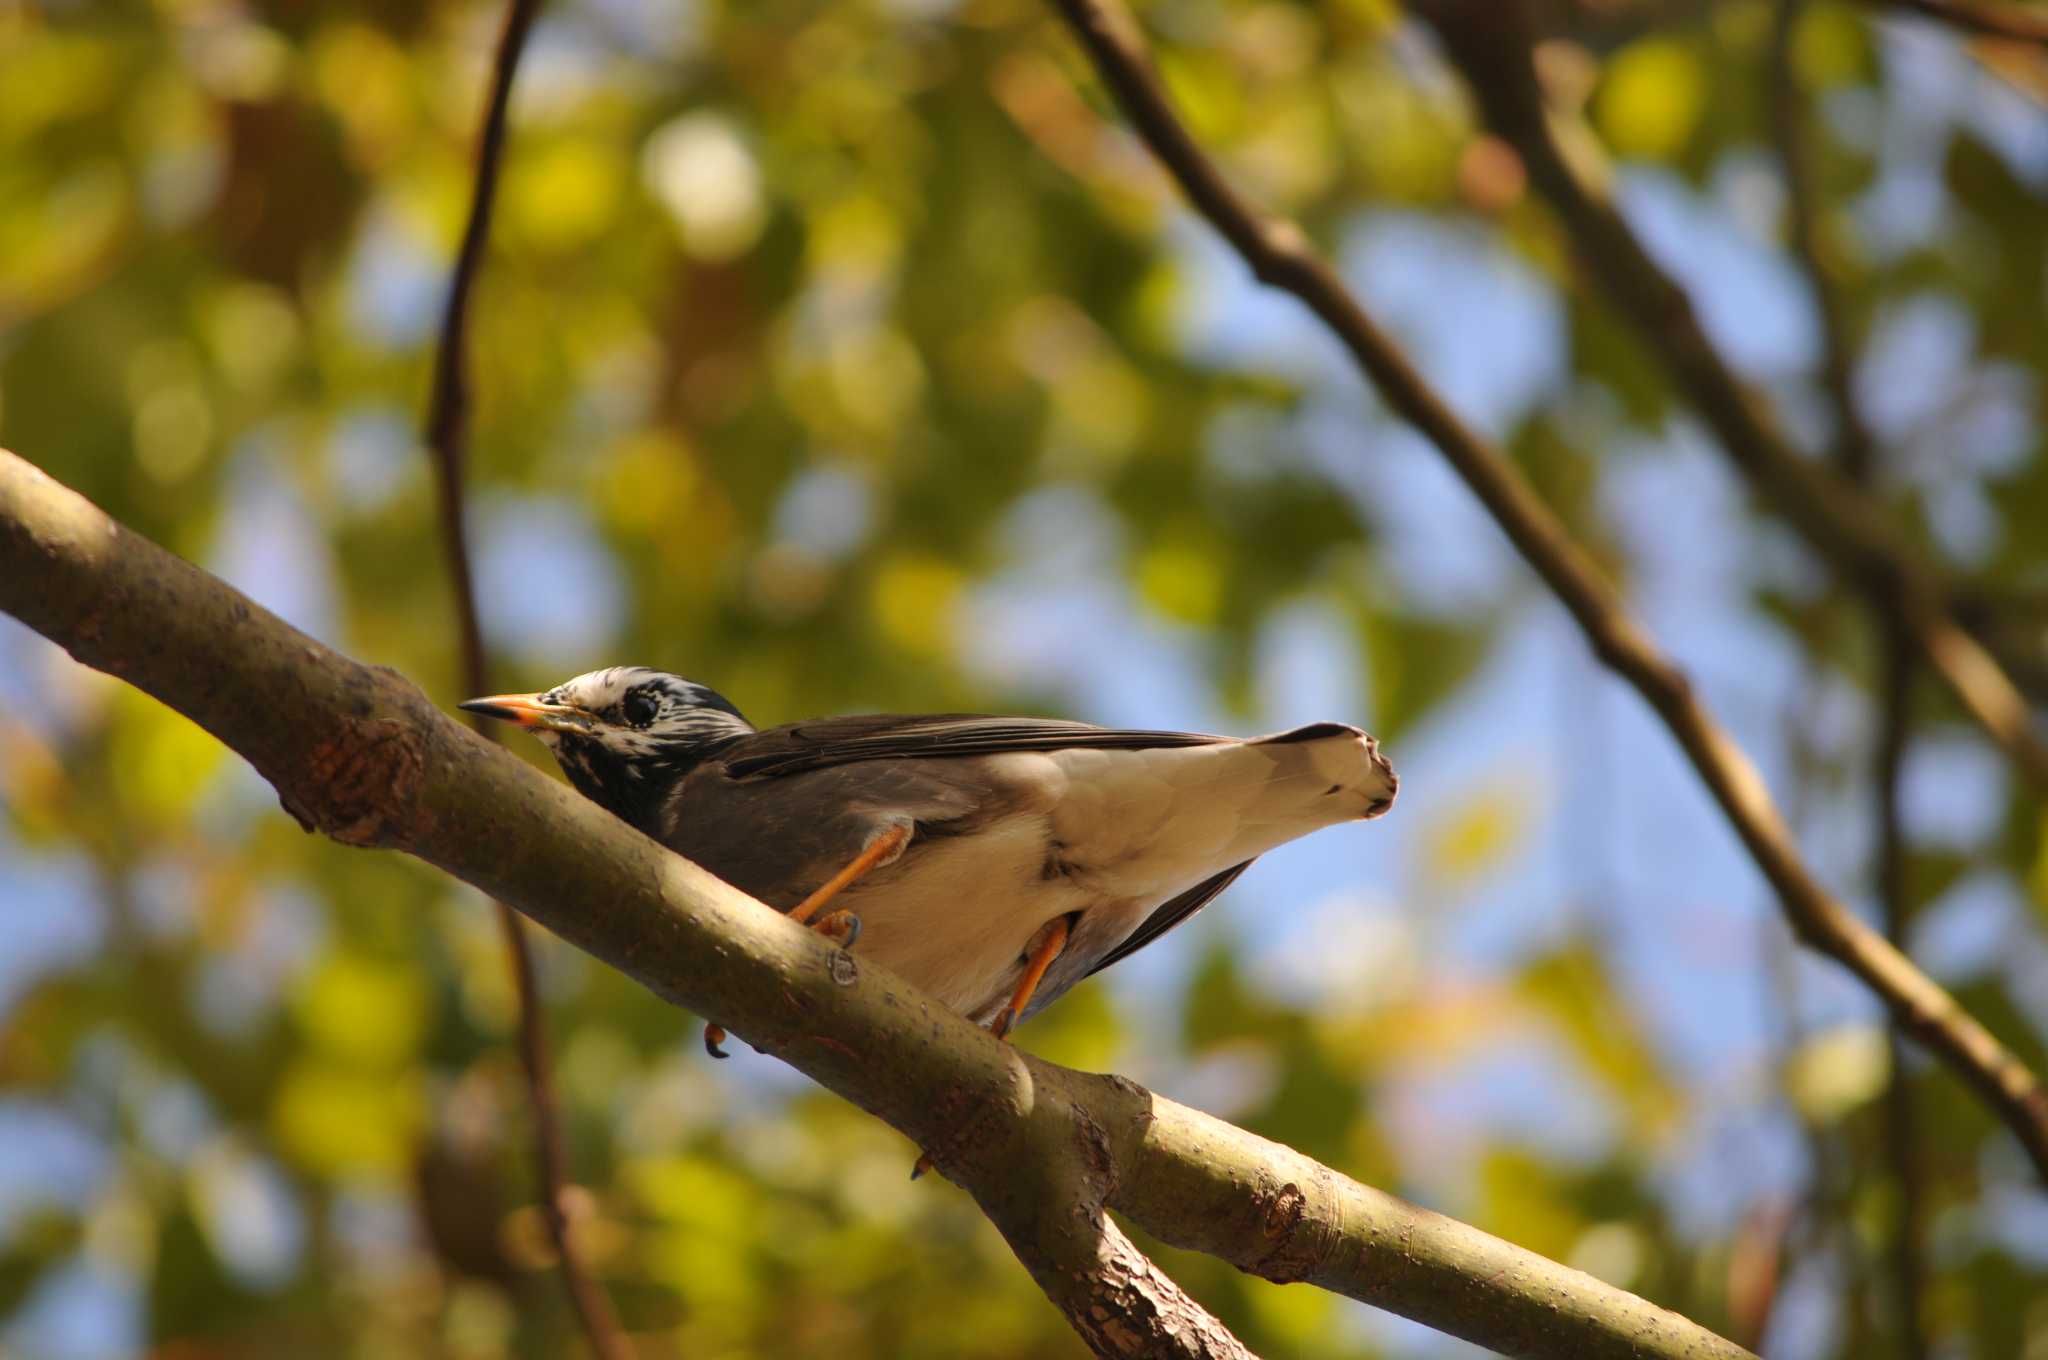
<point x="629" y="790"/>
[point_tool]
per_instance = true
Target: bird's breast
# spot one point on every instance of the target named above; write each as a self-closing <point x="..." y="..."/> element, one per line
<point x="955" y="913"/>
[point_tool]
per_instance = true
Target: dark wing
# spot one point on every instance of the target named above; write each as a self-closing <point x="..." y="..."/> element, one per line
<point x="886" y="736"/>
<point x="1171" y="914"/>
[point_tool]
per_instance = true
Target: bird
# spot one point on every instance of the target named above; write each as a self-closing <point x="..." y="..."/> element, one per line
<point x="994" y="862"/>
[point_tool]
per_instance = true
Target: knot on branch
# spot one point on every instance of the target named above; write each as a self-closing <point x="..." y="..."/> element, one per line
<point x="359" y="784"/>
<point x="1298" y="1240"/>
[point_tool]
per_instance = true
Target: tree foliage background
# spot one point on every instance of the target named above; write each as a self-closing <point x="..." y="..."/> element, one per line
<point x="851" y="357"/>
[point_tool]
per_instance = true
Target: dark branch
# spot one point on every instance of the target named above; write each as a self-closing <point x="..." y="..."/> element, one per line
<point x="1855" y="450"/>
<point x="1491" y="40"/>
<point x="2014" y="23"/>
<point x="447" y="428"/>
<point x="448" y="402"/>
<point x="1901" y="1131"/>
<point x="1279" y="254"/>
<point x="360" y="754"/>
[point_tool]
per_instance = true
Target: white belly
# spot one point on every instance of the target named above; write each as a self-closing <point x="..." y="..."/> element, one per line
<point x="1110" y="833"/>
<point x="954" y="916"/>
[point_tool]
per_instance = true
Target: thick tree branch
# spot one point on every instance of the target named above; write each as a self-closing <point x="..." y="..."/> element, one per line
<point x="1279" y="254"/>
<point x="1491" y="40"/>
<point x="359" y="753"/>
<point x="447" y="427"/>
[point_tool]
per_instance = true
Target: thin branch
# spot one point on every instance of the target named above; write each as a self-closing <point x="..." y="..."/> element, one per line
<point x="1856" y="456"/>
<point x="1491" y="40"/>
<point x="1279" y="254"/>
<point x="2013" y="23"/>
<point x="1901" y="1131"/>
<point x="447" y="428"/>
<point x="360" y="754"/>
<point x="1855" y="450"/>
<point x="447" y="423"/>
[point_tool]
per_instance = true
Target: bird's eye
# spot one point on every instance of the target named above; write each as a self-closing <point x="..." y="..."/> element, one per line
<point x="639" y="708"/>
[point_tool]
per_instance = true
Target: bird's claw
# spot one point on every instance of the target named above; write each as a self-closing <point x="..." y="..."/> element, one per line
<point x="842" y="927"/>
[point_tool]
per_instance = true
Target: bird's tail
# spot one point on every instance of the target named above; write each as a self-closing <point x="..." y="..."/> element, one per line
<point x="1348" y="757"/>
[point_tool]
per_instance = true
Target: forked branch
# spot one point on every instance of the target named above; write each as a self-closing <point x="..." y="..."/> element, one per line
<point x="1280" y="254"/>
<point x="1492" y="42"/>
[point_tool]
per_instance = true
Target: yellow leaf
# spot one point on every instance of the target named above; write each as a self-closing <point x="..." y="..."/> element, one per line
<point x="1476" y="837"/>
<point x="338" y="1122"/>
<point x="689" y="1190"/>
<point x="1652" y="99"/>
<point x="566" y="195"/>
<point x="1614" y="1252"/>
<point x="913" y="598"/>
<point x="1525" y="1204"/>
<point x="1572" y="987"/>
<point x="165" y="761"/>
<point x="1838" y="1069"/>
<point x="1300" y="1318"/>
<point x="362" y="1011"/>
<point x="1209" y="94"/>
<point x="649" y="482"/>
<point x="1182" y="578"/>
<point x="2037" y="878"/>
<point x="1830" y="46"/>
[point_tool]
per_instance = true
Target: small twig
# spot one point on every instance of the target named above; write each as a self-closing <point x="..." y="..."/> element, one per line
<point x="1492" y="41"/>
<point x="1855" y="450"/>
<point x="2013" y="23"/>
<point x="1902" y="1139"/>
<point x="1279" y="254"/>
<point x="447" y="426"/>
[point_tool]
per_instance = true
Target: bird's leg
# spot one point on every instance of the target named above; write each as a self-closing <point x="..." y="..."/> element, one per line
<point x="842" y="927"/>
<point x="1034" y="973"/>
<point x="1006" y="1019"/>
<point x="884" y="846"/>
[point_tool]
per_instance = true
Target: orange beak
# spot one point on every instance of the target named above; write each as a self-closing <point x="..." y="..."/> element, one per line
<point x="529" y="712"/>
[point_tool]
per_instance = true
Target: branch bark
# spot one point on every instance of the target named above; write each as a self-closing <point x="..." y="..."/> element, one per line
<point x="360" y="754"/>
<point x="1901" y="1124"/>
<point x="1855" y="449"/>
<point x="1279" y="254"/>
<point x="1492" y="41"/>
<point x="447" y="428"/>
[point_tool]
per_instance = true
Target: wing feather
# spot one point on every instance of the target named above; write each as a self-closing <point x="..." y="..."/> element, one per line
<point x="881" y="736"/>
<point x="1170" y="914"/>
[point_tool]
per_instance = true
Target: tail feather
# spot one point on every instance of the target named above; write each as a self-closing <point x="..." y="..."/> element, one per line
<point x="1312" y="732"/>
<point x="1349" y="756"/>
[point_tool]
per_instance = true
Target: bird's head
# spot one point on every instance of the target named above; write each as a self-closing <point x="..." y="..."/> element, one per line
<point x="624" y="735"/>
